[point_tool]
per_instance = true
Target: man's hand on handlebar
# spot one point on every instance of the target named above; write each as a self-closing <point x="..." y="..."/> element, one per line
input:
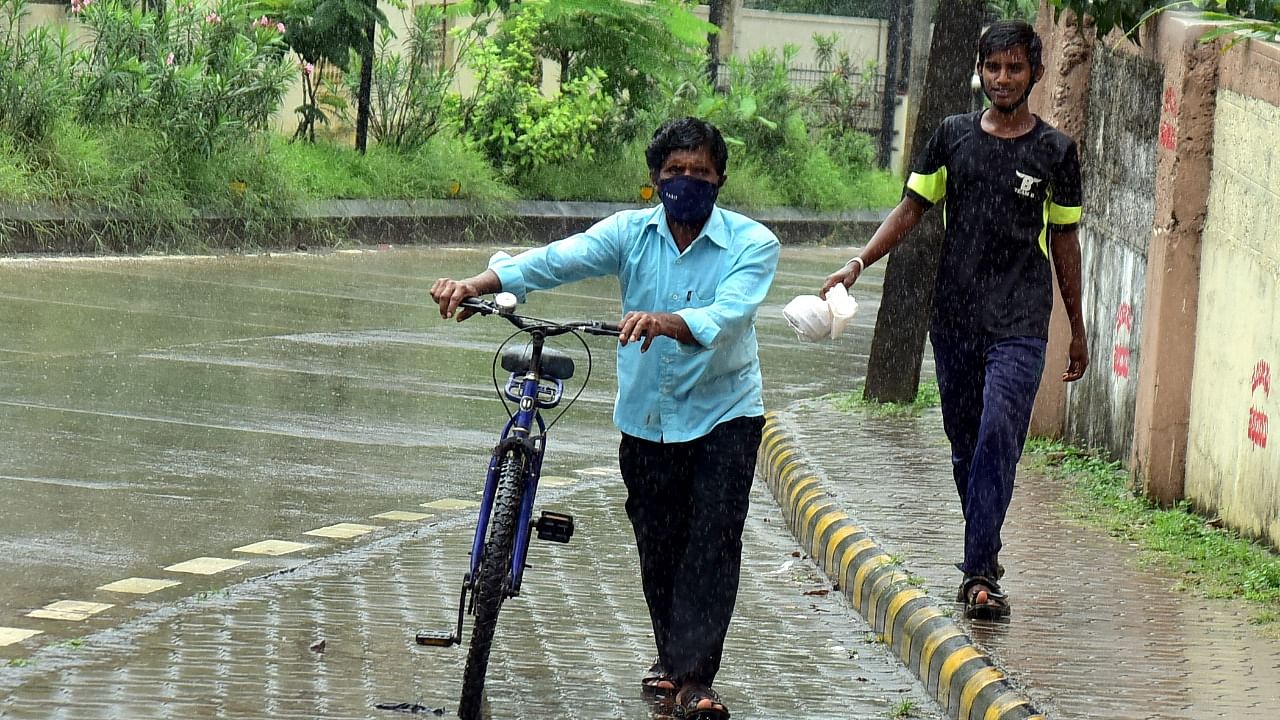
<point x="648" y="325"/>
<point x="449" y="293"/>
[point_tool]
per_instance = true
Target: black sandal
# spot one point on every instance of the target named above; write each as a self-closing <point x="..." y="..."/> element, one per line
<point x="691" y="695"/>
<point x="982" y="598"/>
<point x="657" y="680"/>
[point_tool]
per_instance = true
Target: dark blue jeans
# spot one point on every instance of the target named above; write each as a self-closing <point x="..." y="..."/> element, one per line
<point x="688" y="503"/>
<point x="988" y="387"/>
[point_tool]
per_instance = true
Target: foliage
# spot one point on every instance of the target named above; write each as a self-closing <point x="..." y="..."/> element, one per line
<point x="517" y="127"/>
<point x="1215" y="561"/>
<point x="618" y="37"/>
<point x="411" y="101"/>
<point x="205" y="80"/>
<point x="1015" y="9"/>
<point x="1128" y="15"/>
<point x="848" y="8"/>
<point x="325" y="32"/>
<point x="616" y="173"/>
<point x="34" y="72"/>
<point x="839" y="102"/>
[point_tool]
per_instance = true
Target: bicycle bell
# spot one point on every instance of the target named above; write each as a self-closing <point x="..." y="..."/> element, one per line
<point x="506" y="302"/>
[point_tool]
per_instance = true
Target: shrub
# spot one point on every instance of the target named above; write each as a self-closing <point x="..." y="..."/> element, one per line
<point x="34" y="73"/>
<point x="206" y="80"/>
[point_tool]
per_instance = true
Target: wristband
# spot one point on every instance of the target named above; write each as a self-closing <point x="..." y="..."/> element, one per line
<point x="861" y="265"/>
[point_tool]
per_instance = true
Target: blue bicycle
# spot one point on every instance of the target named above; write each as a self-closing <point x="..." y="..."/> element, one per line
<point x="501" y="543"/>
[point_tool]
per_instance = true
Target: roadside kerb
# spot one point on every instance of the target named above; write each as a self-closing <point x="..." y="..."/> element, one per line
<point x="49" y="227"/>
<point x="955" y="671"/>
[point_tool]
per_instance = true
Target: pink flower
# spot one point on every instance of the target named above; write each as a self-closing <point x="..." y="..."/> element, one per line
<point x="280" y="28"/>
<point x="79" y="6"/>
<point x="262" y="21"/>
<point x="308" y="69"/>
<point x="169" y="60"/>
<point x="212" y="18"/>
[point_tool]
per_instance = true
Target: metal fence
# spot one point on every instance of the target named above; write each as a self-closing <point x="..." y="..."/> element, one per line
<point x="862" y="111"/>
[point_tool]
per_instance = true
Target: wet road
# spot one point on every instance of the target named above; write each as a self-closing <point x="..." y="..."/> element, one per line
<point x="158" y="411"/>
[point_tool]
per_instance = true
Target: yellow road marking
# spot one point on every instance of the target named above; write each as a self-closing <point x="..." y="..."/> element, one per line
<point x="953" y="662"/>
<point x="138" y="586"/>
<point x="974" y="685"/>
<point x="10" y="635"/>
<point x="931" y="643"/>
<point x="342" y="530"/>
<point x="72" y="610"/>
<point x="450" y="504"/>
<point x="272" y="547"/>
<point x="1003" y="705"/>
<point x="206" y="565"/>
<point x="402" y="516"/>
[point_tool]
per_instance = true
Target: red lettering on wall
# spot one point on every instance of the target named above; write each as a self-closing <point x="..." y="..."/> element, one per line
<point x="1258" y="427"/>
<point x="1261" y="378"/>
<point x="1170" y="101"/>
<point x="1124" y="317"/>
<point x="1168" y="137"/>
<point x="1120" y="361"/>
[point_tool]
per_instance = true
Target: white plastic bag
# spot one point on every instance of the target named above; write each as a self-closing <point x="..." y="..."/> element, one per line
<point x="814" y="319"/>
<point x="843" y="307"/>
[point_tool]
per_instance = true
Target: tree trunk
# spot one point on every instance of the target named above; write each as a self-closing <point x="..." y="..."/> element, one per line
<point x="921" y="29"/>
<point x="715" y="16"/>
<point x="366" y="87"/>
<point x="897" y="347"/>
<point x="889" y="96"/>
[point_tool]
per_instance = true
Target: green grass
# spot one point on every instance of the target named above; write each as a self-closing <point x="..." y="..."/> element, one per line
<point x="443" y="168"/>
<point x="927" y="396"/>
<point x="1213" y="561"/>
<point x="904" y="708"/>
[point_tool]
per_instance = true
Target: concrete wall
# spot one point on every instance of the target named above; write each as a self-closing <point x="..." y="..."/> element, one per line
<point x="1119" y="161"/>
<point x="1181" y="151"/>
<point x="1233" y="458"/>
<point x="864" y="39"/>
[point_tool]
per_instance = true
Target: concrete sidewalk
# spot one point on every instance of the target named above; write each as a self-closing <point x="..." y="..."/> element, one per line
<point x="332" y="637"/>
<point x="1095" y="633"/>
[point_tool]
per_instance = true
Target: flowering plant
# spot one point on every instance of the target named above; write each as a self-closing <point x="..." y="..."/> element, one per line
<point x="205" y="77"/>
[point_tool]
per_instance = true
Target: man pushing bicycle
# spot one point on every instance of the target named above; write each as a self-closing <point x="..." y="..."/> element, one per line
<point x="689" y="402"/>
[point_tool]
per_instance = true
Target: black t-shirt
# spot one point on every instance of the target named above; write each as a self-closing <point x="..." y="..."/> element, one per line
<point x="1002" y="196"/>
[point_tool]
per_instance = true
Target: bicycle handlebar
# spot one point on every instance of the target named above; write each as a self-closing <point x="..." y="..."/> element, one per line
<point x="547" y="327"/>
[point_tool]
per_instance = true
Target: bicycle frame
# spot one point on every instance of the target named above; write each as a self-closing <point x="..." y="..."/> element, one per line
<point x="518" y="436"/>
<point x="536" y="383"/>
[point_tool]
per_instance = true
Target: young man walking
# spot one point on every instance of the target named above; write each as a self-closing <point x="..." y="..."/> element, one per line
<point x="1011" y="185"/>
<point x="689" y="402"/>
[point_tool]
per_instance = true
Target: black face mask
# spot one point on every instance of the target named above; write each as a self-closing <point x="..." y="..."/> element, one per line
<point x="687" y="199"/>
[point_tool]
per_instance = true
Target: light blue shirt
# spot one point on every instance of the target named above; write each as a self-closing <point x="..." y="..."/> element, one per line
<point x="673" y="392"/>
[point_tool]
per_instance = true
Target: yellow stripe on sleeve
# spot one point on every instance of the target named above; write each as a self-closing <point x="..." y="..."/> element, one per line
<point x="931" y="187"/>
<point x="1060" y="215"/>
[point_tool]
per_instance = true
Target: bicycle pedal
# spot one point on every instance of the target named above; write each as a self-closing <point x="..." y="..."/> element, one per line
<point x="553" y="526"/>
<point x="436" y="639"/>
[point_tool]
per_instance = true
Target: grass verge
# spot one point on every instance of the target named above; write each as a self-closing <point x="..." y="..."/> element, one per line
<point x="1215" y="562"/>
<point x="927" y="396"/>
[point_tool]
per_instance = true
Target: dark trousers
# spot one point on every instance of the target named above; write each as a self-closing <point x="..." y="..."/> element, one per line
<point x="988" y="388"/>
<point x="687" y="503"/>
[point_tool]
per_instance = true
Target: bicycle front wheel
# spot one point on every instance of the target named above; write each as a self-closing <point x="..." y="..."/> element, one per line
<point x="490" y="587"/>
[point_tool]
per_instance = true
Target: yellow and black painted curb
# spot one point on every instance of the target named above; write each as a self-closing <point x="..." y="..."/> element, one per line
<point x="959" y="675"/>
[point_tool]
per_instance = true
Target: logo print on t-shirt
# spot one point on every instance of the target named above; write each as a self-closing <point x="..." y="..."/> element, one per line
<point x="1027" y="188"/>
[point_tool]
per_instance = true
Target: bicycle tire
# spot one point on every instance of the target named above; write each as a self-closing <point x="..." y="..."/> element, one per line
<point x="490" y="588"/>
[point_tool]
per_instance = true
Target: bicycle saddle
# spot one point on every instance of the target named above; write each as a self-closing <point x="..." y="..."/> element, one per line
<point x="555" y="364"/>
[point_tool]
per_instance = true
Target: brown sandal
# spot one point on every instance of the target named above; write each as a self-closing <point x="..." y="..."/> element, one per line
<point x="692" y="695"/>
<point x="657" y="680"/>
<point x="983" y="599"/>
